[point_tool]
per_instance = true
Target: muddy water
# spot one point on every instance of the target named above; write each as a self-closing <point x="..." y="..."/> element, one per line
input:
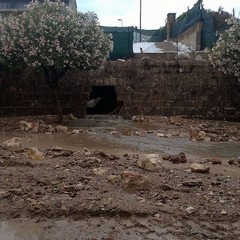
<point x="88" y="229"/>
<point x="101" y="132"/>
<point x="98" y="134"/>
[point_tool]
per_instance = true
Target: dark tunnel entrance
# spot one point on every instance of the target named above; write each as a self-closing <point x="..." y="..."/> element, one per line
<point x="103" y="100"/>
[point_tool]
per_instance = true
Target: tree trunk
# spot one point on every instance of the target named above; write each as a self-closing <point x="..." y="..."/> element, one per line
<point x="57" y="104"/>
<point x="52" y="77"/>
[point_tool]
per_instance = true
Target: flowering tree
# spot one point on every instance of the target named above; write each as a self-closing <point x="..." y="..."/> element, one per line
<point x="48" y="35"/>
<point x="226" y="54"/>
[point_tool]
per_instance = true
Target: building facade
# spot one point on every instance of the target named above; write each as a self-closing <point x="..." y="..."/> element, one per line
<point x="8" y="6"/>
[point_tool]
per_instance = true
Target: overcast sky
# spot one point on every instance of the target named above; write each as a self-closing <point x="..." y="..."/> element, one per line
<point x="154" y="12"/>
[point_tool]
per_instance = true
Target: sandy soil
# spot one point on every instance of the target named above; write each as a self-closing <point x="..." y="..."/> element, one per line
<point x="92" y="187"/>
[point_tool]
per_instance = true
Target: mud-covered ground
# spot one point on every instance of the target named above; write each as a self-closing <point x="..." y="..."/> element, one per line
<point x="118" y="179"/>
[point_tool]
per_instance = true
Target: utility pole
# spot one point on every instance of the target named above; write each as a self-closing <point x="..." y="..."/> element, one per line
<point x="140" y="21"/>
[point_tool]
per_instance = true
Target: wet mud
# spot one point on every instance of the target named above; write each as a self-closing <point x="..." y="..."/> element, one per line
<point x="82" y="188"/>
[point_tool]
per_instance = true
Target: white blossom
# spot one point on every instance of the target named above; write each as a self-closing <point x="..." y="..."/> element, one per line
<point x="225" y="55"/>
<point x="51" y="34"/>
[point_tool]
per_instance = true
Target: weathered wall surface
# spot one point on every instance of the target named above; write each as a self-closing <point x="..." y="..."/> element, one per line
<point x="192" y="37"/>
<point x="146" y="86"/>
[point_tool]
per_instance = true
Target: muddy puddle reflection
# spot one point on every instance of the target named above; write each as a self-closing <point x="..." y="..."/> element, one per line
<point x="21" y="231"/>
<point x="97" y="133"/>
<point x="101" y="132"/>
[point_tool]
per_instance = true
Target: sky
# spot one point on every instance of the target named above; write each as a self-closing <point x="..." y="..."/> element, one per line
<point x="154" y="12"/>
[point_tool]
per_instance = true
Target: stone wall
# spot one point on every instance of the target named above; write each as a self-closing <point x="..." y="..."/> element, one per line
<point x="166" y="56"/>
<point x="146" y="86"/>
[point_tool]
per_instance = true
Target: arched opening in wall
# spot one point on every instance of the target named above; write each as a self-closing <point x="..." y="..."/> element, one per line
<point x="103" y="100"/>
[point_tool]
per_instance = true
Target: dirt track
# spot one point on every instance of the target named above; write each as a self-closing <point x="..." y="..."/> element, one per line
<point x="95" y="189"/>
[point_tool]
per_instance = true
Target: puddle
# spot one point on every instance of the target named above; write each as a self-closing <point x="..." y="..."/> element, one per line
<point x="87" y="229"/>
<point x="21" y="231"/>
<point x="97" y="135"/>
<point x="101" y="129"/>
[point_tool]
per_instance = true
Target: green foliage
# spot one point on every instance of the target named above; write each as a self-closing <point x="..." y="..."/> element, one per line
<point x="219" y="19"/>
<point x="182" y="16"/>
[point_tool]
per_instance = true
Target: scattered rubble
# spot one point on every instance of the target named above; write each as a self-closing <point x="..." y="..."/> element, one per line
<point x="154" y="194"/>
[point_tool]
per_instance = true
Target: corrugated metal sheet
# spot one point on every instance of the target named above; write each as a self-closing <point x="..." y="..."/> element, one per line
<point x="17" y="4"/>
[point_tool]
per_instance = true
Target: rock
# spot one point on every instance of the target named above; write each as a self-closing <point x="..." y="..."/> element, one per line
<point x="76" y="131"/>
<point x="134" y="118"/>
<point x="234" y="161"/>
<point x="178" y="158"/>
<point x="3" y="194"/>
<point x="100" y="171"/>
<point x="71" y="117"/>
<point x="34" y="154"/>
<point x="70" y="188"/>
<point x="114" y="178"/>
<point x="182" y="56"/>
<point x="50" y="128"/>
<point x="216" y="160"/>
<point x="175" y="133"/>
<point x="207" y="139"/>
<point x="149" y="161"/>
<point x="58" y="151"/>
<point x="87" y="152"/>
<point x="138" y="118"/>
<point x="199" y="168"/>
<point x="223" y="212"/>
<point x="48" y="133"/>
<point x="165" y="187"/>
<point x="166" y="157"/>
<point x="79" y="186"/>
<point x="25" y="126"/>
<point x="190" y="210"/>
<point x="214" y="137"/>
<point x="13" y="143"/>
<point x="35" y="127"/>
<point x="16" y="191"/>
<point x="134" y="181"/>
<point x="140" y="134"/>
<point x="105" y="155"/>
<point x="29" y="126"/>
<point x="93" y="160"/>
<point x="193" y="183"/>
<point x="215" y="183"/>
<point x="196" y="134"/>
<point x="61" y="128"/>
<point x="160" y="134"/>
